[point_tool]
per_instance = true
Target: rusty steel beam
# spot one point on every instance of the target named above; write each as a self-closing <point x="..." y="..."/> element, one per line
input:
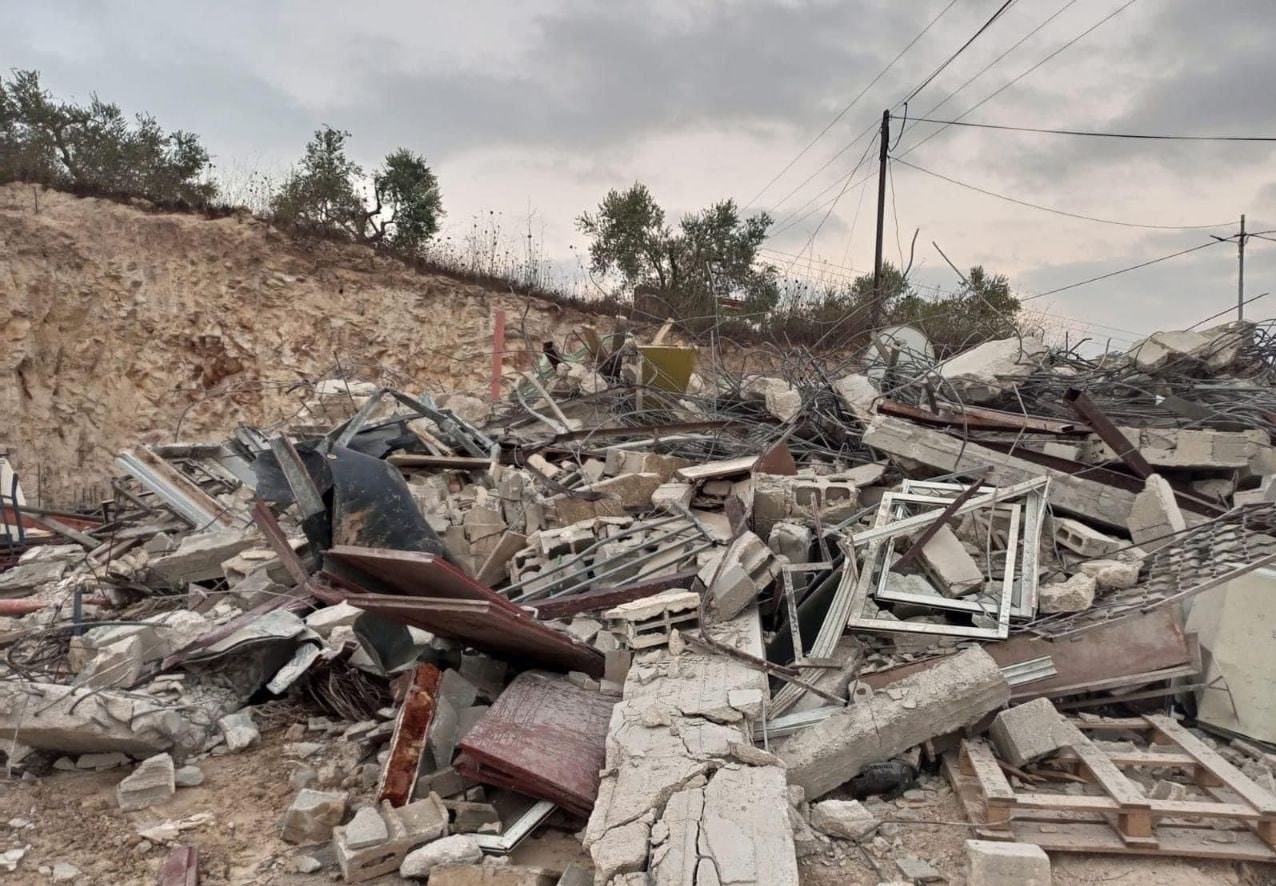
<point x="973" y="419"/>
<point x="407" y="744"/>
<point x="1108" y="432"/>
<point x="605" y="598"/>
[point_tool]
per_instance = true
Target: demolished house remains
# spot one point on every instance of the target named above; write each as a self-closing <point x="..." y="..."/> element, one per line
<point x="712" y="623"/>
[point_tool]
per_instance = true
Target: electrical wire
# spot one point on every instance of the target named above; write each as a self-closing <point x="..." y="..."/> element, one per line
<point x="1123" y="270"/>
<point x="1018" y="202"/>
<point x="1097" y="134"/>
<point x="986" y="68"/>
<point x="842" y="113"/>
<point x="973" y="37"/>
<point x="1088" y="31"/>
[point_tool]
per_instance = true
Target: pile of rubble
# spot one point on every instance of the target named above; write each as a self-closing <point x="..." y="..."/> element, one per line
<point x="712" y="624"/>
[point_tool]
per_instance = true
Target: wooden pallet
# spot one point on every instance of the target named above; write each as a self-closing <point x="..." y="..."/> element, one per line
<point x="1238" y="822"/>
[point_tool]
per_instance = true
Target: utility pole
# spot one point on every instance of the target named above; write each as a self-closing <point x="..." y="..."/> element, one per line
<point x="1240" y="279"/>
<point x="881" y="217"/>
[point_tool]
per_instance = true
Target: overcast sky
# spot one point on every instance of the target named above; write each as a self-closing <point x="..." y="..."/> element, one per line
<point x="538" y="108"/>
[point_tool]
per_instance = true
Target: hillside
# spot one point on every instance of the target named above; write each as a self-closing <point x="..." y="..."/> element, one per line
<point x="120" y="325"/>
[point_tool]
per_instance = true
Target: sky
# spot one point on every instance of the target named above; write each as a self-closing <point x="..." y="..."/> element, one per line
<point x="529" y="113"/>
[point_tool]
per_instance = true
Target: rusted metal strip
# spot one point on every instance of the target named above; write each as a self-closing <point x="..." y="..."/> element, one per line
<point x="274" y="533"/>
<point x="181" y="868"/>
<point x="683" y="427"/>
<point x="915" y="549"/>
<point x="605" y="598"/>
<point x="1108" y="432"/>
<point x="973" y="419"/>
<point x="411" y="728"/>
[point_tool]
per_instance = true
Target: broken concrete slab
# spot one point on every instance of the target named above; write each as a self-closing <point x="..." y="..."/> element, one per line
<point x="1155" y="515"/>
<point x="950" y="565"/>
<point x="735" y="577"/>
<point x="150" y="783"/>
<point x="1108" y="506"/>
<point x="200" y="555"/>
<point x="76" y="720"/>
<point x="407" y="827"/>
<point x="985" y="372"/>
<point x="806" y="498"/>
<point x="954" y="692"/>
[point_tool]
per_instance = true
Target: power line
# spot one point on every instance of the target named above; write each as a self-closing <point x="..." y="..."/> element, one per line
<point x="1094" y="134"/>
<point x="1000" y="90"/>
<point x="986" y="68"/>
<point x="973" y="37"/>
<point x="1122" y="270"/>
<point x="842" y="113"/>
<point x="1018" y="202"/>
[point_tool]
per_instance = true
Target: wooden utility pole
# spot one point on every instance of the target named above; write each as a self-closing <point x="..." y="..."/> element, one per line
<point x="881" y="217"/>
<point x="1240" y="279"/>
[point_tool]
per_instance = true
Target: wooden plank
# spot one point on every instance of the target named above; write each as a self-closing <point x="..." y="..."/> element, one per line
<point x="411" y="460"/>
<point x="986" y="770"/>
<point x="1186" y="842"/>
<point x="1138" y="758"/>
<point x="1211" y="761"/>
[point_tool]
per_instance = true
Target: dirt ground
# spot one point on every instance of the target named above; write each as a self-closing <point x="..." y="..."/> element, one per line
<point x="72" y="817"/>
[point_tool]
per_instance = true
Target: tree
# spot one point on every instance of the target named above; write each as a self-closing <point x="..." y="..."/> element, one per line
<point x="709" y="256"/>
<point x="324" y="193"/>
<point x="67" y="145"/>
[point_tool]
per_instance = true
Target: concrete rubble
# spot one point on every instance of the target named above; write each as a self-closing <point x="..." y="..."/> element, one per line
<point x="762" y="618"/>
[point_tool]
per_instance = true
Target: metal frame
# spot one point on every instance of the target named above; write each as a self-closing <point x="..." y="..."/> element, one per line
<point x="970" y="603"/>
<point x="885" y="531"/>
<point x="1025" y="596"/>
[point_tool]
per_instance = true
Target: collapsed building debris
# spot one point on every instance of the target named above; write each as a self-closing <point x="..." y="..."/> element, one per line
<point x="689" y="614"/>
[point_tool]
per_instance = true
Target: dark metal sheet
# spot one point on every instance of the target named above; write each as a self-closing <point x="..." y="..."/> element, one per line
<point x="371" y="506"/>
<point x="415" y="574"/>
<point x="606" y="598"/>
<point x="503" y="631"/>
<point x="543" y="737"/>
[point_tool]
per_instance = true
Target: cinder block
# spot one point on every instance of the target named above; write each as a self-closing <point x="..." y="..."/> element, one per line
<point x="990" y="863"/>
<point x="1027" y="732"/>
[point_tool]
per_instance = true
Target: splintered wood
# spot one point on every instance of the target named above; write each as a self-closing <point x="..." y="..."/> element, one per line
<point x="1228" y="816"/>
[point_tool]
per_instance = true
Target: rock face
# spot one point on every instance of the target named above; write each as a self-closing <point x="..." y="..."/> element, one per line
<point x="118" y="319"/>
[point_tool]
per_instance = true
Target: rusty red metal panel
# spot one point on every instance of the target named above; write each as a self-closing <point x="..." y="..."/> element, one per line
<point x="544" y="737"/>
<point x="504" y="631"/>
<point x="416" y="574"/>
<point x="411" y="727"/>
<point x="181" y="868"/>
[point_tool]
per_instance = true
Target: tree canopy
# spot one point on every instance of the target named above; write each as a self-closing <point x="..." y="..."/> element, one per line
<point x="710" y="255"/>
<point x="64" y="144"/>
<point x="326" y="192"/>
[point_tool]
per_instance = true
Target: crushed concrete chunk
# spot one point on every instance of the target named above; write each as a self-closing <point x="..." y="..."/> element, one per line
<point x="367" y="828"/>
<point x="457" y="849"/>
<point x="1028" y="732"/>
<point x="239" y="731"/>
<point x="987" y="371"/>
<point x="1155" y="515"/>
<point x="151" y="782"/>
<point x="847" y="819"/>
<point x="1113" y="574"/>
<point x="993" y="863"/>
<point x="1074" y="595"/>
<point x="312" y="816"/>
